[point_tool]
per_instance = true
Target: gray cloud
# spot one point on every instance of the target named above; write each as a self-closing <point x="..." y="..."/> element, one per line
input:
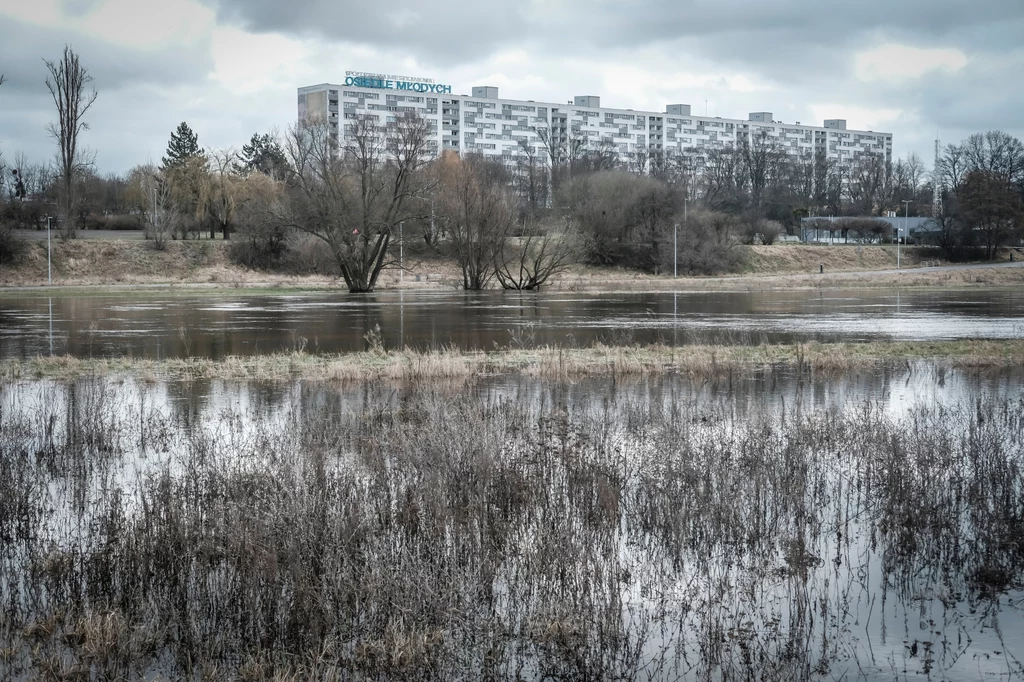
<point x="23" y="47"/>
<point x="453" y="31"/>
<point x="133" y="87"/>
<point x="802" y="52"/>
<point x="437" y="31"/>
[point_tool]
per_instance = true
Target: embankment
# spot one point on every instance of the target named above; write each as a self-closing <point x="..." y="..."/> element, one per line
<point x="113" y="262"/>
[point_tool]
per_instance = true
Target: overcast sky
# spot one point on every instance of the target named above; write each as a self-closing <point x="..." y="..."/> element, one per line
<point x="231" y="67"/>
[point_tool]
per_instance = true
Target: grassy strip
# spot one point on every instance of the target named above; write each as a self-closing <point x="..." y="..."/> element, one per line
<point x="696" y="361"/>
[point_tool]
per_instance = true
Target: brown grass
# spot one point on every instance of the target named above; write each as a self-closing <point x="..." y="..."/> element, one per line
<point x="805" y="258"/>
<point x="122" y="262"/>
<point x="413" y="365"/>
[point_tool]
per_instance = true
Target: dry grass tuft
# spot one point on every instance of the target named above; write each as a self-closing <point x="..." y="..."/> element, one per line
<point x="698" y="361"/>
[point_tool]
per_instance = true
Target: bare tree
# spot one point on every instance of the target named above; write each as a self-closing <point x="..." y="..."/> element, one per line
<point x="262" y="242"/>
<point x="866" y="182"/>
<point x="67" y="83"/>
<point x="152" y="191"/>
<point x="722" y="178"/>
<point x="529" y="261"/>
<point x="222" y="191"/>
<point x="531" y="177"/>
<point x="640" y="161"/>
<point x="915" y="172"/>
<point x="353" y="198"/>
<point x="762" y="159"/>
<point x="991" y="207"/>
<point x="996" y="152"/>
<point x="953" y="167"/>
<point x="479" y="213"/>
<point x="553" y="142"/>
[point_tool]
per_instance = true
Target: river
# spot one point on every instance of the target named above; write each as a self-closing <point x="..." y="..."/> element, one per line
<point x="160" y="325"/>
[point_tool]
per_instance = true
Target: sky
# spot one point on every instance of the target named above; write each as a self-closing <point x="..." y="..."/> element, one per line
<point x="230" y="68"/>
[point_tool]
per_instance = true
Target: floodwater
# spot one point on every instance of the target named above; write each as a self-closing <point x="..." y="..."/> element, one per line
<point x="866" y="603"/>
<point x="158" y="325"/>
<point x="871" y="604"/>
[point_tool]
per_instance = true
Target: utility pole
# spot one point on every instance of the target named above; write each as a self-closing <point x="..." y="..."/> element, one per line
<point x="401" y="252"/>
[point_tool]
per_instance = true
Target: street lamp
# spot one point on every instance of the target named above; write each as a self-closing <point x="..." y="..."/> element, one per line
<point x="906" y="209"/>
<point x="675" y="242"/>
<point x="49" y="271"/>
<point x="675" y="250"/>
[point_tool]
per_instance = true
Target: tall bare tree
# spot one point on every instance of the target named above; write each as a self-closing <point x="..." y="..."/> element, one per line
<point x="68" y="82"/>
<point x="354" y="197"/>
<point x="2" y="166"/>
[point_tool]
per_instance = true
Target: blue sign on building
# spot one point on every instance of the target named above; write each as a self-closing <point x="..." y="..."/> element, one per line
<point x="385" y="84"/>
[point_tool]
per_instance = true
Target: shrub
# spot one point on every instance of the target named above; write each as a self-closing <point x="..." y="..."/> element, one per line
<point x="760" y="231"/>
<point x="12" y="247"/>
<point x="258" y="249"/>
<point x="708" y="245"/>
<point x="120" y="222"/>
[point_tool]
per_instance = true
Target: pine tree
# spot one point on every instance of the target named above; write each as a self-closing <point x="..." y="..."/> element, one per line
<point x="183" y="145"/>
<point x="262" y="154"/>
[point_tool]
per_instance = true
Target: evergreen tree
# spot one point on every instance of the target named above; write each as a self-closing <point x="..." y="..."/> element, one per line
<point x="183" y="146"/>
<point x="262" y="154"/>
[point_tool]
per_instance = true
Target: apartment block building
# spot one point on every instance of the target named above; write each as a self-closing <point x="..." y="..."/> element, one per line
<point x="483" y="122"/>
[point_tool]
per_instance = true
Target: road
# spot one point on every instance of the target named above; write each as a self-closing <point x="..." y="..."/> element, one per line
<point x="82" y="234"/>
<point x="87" y="234"/>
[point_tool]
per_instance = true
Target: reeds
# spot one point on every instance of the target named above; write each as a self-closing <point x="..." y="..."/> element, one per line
<point x="432" y="535"/>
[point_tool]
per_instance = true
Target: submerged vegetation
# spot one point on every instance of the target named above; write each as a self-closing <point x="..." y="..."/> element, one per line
<point x="423" y="534"/>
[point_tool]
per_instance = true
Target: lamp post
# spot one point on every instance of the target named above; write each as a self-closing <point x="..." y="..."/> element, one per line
<point x="675" y="250"/>
<point x="906" y="209"/>
<point x="401" y="253"/>
<point x="49" y="271"/>
<point x="675" y="241"/>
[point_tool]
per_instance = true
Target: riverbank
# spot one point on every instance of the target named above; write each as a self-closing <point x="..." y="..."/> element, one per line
<point x="698" y="361"/>
<point x="129" y="264"/>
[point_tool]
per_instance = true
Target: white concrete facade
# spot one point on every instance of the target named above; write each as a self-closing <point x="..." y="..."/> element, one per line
<point x="483" y="122"/>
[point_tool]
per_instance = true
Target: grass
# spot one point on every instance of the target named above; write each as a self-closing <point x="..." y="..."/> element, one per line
<point x="433" y="535"/>
<point x="692" y="361"/>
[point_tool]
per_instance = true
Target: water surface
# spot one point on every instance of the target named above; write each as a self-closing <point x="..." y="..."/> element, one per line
<point x="204" y="325"/>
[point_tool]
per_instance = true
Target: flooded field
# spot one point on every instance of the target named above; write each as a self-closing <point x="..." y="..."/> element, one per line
<point x="778" y="526"/>
<point x="161" y="326"/>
